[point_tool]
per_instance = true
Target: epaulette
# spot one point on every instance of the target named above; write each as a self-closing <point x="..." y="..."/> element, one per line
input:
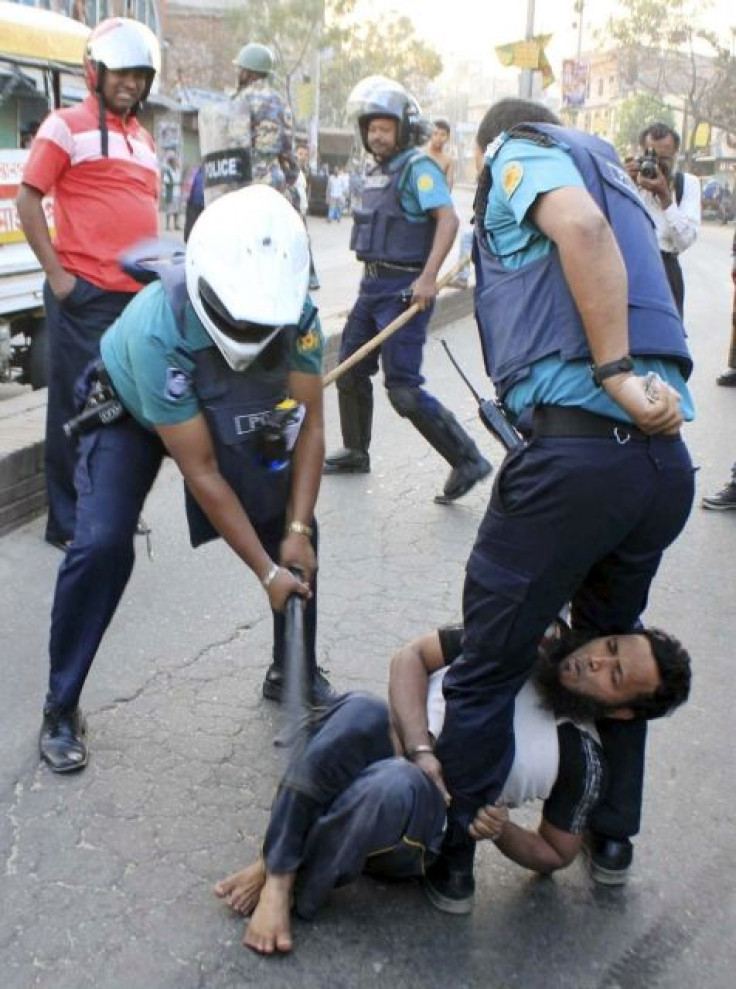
<point x="307" y="318"/>
<point x="528" y="134"/>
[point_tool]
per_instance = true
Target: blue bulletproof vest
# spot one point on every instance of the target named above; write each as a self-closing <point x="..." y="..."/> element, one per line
<point x="235" y="405"/>
<point x="381" y="230"/>
<point x="527" y="314"/>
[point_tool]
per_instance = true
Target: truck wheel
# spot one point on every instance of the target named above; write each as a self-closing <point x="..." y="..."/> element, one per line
<point x="38" y="363"/>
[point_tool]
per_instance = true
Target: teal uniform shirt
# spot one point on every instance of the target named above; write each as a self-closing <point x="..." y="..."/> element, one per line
<point x="152" y="365"/>
<point x="424" y="188"/>
<point x="522" y="171"/>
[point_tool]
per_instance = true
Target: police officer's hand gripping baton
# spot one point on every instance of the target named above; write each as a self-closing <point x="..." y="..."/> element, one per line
<point x="392" y="327"/>
<point x="296" y="686"/>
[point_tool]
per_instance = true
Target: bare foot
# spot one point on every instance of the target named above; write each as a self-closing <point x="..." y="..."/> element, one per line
<point x="269" y="929"/>
<point x="242" y="889"/>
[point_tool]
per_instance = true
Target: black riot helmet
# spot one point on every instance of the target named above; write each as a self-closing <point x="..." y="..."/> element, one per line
<point x="377" y="96"/>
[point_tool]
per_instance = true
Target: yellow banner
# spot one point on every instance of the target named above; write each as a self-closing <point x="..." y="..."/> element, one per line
<point x="702" y="135"/>
<point x="528" y="55"/>
<point x="304" y="100"/>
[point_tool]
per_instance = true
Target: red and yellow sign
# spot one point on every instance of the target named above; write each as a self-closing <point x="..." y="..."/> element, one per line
<point x="11" y="176"/>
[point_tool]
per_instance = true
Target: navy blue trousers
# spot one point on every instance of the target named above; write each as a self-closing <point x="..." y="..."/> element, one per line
<point x="75" y="326"/>
<point x="378" y="304"/>
<point x="116" y="468"/>
<point x="347" y="805"/>
<point x="579" y="520"/>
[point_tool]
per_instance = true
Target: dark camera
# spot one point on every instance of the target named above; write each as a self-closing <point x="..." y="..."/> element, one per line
<point x="648" y="164"/>
<point x="102" y="409"/>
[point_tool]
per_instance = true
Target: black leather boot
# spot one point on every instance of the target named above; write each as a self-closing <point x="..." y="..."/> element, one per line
<point x="441" y="430"/>
<point x="609" y="858"/>
<point x="63" y="740"/>
<point x="273" y="686"/>
<point x="355" y="396"/>
<point x="347" y="461"/>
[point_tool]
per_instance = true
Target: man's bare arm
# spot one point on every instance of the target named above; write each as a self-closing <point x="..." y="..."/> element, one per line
<point x="36" y="229"/>
<point x="424" y="288"/>
<point x="544" y="850"/>
<point x="306" y="472"/>
<point x="190" y="444"/>
<point x="407" y="690"/>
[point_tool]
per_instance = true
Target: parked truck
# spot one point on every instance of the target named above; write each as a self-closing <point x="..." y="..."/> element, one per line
<point x="23" y="335"/>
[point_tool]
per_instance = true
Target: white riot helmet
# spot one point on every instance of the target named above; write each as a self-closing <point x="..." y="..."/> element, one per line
<point x="117" y="44"/>
<point x="247" y="265"/>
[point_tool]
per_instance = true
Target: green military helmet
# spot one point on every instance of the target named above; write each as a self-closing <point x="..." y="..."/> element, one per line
<point x="256" y="57"/>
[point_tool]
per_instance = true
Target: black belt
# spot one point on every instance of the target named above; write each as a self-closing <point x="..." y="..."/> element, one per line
<point x="562" y="420"/>
<point x="384" y="269"/>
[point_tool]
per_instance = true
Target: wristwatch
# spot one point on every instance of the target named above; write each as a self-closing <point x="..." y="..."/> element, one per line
<point x="301" y="528"/>
<point x="602" y="371"/>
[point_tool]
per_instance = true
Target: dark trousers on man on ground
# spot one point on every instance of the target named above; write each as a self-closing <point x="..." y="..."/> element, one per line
<point x="347" y="805"/>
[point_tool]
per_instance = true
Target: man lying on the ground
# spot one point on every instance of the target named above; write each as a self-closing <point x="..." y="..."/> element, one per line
<point x="348" y="804"/>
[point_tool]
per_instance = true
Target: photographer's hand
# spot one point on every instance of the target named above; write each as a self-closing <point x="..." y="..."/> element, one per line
<point x="660" y="187"/>
<point x="632" y="168"/>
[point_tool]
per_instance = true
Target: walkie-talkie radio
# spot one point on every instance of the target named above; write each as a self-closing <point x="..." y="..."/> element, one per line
<point x="491" y="412"/>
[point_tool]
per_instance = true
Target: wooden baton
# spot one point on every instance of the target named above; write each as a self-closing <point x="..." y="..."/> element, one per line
<point x="392" y="327"/>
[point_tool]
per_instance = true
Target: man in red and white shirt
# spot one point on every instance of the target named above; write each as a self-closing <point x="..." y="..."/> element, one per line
<point x="100" y="164"/>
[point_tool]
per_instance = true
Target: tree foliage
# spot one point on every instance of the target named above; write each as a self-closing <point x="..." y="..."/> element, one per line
<point x="350" y="49"/>
<point x="634" y="115"/>
<point x="388" y="47"/>
<point x="668" y="51"/>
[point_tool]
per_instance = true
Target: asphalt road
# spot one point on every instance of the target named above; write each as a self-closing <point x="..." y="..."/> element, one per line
<point x="105" y="878"/>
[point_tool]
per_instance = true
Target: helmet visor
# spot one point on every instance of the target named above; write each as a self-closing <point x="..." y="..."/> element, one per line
<point x="240" y="330"/>
<point x="377" y="96"/>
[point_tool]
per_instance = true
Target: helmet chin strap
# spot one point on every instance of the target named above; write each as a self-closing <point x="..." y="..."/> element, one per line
<point x="104" y="136"/>
<point x="102" y="109"/>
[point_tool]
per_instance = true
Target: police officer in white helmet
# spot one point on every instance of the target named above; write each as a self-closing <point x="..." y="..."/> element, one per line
<point x="217" y="362"/>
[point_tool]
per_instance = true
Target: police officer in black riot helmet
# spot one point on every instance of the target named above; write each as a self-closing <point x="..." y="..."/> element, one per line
<point x="402" y="231"/>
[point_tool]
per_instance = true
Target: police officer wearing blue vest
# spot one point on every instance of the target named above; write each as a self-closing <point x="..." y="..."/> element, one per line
<point x="216" y="363"/>
<point x="402" y="232"/>
<point x="585" y="346"/>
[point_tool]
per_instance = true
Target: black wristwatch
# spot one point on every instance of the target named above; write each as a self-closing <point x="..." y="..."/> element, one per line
<point x="602" y="371"/>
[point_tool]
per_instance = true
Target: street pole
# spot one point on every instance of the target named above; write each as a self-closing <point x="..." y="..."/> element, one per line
<point x="580" y="9"/>
<point x="313" y="135"/>
<point x="526" y="81"/>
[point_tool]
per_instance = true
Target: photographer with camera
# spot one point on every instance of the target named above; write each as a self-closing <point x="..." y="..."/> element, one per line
<point x="672" y="198"/>
<point x="216" y="363"/>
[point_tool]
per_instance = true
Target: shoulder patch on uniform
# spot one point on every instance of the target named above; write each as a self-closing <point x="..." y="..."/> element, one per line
<point x="619" y="175"/>
<point x="513" y="173"/>
<point x="178" y="383"/>
<point x="306" y="342"/>
<point x="425" y="182"/>
<point x="493" y="148"/>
